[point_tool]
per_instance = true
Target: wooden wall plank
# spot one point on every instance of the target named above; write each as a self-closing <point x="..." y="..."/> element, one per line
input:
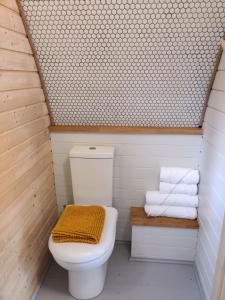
<point x="10" y="158"/>
<point x="8" y="178"/>
<point x="33" y="193"/>
<point x="10" y="100"/>
<point x="10" y="198"/>
<point x="14" y="41"/>
<point x="219" y="81"/>
<point x="36" y="234"/>
<point x="37" y="262"/>
<point x="10" y="4"/>
<point x="18" y="135"/>
<point x="12" y="119"/>
<point x="10" y="80"/>
<point x="30" y="201"/>
<point x="11" y="60"/>
<point x="11" y="20"/>
<point x="28" y="205"/>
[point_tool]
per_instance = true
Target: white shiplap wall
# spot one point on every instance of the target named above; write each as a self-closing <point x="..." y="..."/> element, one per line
<point x="212" y="185"/>
<point x="136" y="169"/>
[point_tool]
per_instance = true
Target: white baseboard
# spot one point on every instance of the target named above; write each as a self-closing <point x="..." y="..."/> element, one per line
<point x="163" y="261"/>
<point x="34" y="295"/>
<point x="202" y="292"/>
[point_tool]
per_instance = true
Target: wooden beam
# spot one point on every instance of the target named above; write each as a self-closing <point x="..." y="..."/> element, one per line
<point x="126" y="129"/>
<point x="139" y="217"/>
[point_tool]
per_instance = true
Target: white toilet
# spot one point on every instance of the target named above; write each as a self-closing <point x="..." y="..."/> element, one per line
<point x="92" y="176"/>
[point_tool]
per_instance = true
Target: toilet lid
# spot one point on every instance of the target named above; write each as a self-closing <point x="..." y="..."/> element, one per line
<point x="83" y="252"/>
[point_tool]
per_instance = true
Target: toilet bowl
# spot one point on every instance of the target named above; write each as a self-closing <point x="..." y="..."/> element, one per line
<point x="87" y="263"/>
<point x="92" y="177"/>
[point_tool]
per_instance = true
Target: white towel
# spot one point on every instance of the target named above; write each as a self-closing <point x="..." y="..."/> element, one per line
<point x="171" y="211"/>
<point x="156" y="198"/>
<point x="169" y="188"/>
<point x="179" y="175"/>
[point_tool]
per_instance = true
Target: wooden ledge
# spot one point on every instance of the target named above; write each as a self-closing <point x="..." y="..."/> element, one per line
<point x="138" y="217"/>
<point x="126" y="129"/>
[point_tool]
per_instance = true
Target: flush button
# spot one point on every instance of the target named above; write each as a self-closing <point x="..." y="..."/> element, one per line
<point x="92" y="148"/>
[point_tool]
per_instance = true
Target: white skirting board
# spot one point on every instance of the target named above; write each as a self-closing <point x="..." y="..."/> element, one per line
<point x="161" y="261"/>
<point x="163" y="243"/>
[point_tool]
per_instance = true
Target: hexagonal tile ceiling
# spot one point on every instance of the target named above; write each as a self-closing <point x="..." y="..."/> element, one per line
<point x="126" y="62"/>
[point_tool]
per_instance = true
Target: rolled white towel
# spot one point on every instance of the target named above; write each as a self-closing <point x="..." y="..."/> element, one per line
<point x="156" y="198"/>
<point x="171" y="211"/>
<point x="179" y="175"/>
<point x="169" y="188"/>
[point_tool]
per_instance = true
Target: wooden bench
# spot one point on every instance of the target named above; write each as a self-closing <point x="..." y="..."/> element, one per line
<point x="162" y="238"/>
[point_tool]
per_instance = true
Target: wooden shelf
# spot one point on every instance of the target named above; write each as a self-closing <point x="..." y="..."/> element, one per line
<point x="138" y="217"/>
<point x="126" y="129"/>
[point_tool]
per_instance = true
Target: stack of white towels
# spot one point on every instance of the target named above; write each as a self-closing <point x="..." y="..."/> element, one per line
<point x="177" y="196"/>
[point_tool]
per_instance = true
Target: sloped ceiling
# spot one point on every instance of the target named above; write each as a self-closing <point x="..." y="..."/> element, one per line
<point x="126" y="62"/>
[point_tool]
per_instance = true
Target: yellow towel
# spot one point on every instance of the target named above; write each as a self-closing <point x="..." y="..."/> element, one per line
<point x="80" y="223"/>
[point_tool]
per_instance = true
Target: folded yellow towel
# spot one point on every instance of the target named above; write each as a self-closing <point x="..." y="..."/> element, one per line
<point x="80" y="223"/>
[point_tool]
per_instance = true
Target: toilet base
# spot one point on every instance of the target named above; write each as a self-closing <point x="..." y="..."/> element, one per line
<point x="87" y="284"/>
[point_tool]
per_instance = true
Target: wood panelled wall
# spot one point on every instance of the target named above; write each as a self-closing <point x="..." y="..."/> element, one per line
<point x="27" y="192"/>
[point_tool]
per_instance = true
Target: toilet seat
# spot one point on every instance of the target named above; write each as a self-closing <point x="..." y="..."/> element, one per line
<point x="77" y="253"/>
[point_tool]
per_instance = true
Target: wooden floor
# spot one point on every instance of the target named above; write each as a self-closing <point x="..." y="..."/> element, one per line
<point x="130" y="280"/>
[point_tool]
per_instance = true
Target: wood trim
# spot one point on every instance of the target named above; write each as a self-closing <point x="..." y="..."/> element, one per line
<point x="138" y="217"/>
<point x="34" y="52"/>
<point x="212" y="79"/>
<point x="126" y="129"/>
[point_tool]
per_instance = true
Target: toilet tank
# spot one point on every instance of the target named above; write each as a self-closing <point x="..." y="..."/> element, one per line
<point x="92" y="174"/>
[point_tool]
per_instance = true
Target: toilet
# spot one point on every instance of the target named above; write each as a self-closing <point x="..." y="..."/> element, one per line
<point x="92" y="177"/>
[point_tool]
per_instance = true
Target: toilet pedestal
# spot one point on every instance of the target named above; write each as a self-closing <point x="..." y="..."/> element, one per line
<point x="87" y="284"/>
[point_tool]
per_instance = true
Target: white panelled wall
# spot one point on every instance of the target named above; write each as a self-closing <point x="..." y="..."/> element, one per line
<point x="212" y="185"/>
<point x="138" y="159"/>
